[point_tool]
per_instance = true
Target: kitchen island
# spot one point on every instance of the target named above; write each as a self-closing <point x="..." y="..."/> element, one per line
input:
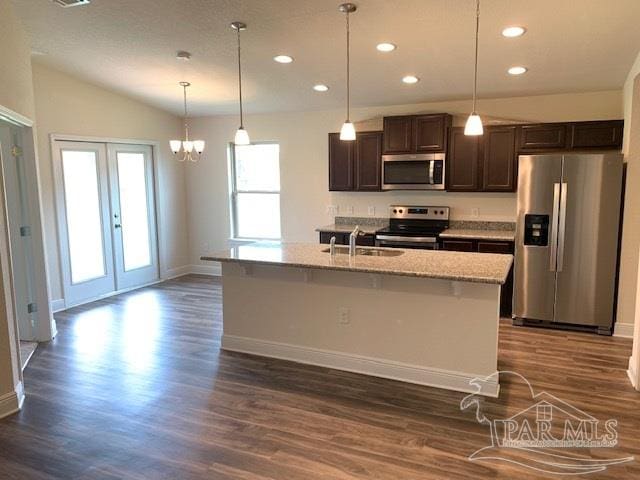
<point x="425" y="317"/>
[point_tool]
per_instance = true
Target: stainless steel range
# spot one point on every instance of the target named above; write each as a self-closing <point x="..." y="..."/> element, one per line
<point x="412" y="226"/>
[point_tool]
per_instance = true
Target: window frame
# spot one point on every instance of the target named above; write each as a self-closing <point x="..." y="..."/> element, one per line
<point x="233" y="193"/>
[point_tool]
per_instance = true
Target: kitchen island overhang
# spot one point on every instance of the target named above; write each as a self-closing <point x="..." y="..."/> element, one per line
<point x="424" y="317"/>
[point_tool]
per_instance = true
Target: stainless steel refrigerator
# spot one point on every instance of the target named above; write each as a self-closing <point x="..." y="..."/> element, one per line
<point x="567" y="239"/>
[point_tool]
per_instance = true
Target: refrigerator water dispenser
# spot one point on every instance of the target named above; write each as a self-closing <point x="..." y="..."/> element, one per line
<point x="536" y="230"/>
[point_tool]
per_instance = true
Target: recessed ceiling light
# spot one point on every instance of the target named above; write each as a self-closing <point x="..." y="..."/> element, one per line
<point x="511" y="32"/>
<point x="410" y="79"/>
<point x="283" y="59"/>
<point x="320" y="88"/>
<point x="517" y="70"/>
<point x="385" y="47"/>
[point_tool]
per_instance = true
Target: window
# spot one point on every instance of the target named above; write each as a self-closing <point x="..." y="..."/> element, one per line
<point x="255" y="190"/>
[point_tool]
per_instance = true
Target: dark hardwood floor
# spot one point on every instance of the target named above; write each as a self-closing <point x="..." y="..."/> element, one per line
<point x="135" y="387"/>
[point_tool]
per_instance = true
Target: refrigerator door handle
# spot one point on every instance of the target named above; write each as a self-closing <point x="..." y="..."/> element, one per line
<point x="561" y="227"/>
<point x="554" y="228"/>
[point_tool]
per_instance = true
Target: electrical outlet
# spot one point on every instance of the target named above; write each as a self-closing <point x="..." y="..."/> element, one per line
<point x="371" y="211"/>
<point x="349" y="210"/>
<point x="205" y="247"/>
<point x="343" y="316"/>
<point x="332" y="209"/>
<point x="475" y="212"/>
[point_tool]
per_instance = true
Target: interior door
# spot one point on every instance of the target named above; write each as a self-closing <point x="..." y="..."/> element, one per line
<point x="539" y="179"/>
<point x="133" y="215"/>
<point x="80" y="170"/>
<point x="588" y="239"/>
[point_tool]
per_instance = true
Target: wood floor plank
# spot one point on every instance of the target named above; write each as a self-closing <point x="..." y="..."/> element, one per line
<point x="136" y="387"/>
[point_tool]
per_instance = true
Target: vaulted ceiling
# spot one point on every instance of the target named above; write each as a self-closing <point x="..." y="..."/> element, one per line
<point x="130" y="46"/>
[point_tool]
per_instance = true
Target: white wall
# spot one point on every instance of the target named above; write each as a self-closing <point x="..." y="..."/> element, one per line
<point x="67" y="105"/>
<point x="631" y="223"/>
<point x="304" y="152"/>
<point x="16" y="94"/>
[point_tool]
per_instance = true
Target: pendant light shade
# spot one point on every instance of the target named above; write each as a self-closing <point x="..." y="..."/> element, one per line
<point x="242" y="137"/>
<point x="348" y="131"/>
<point x="186" y="146"/>
<point x="473" y="125"/>
<point x="474" y="122"/>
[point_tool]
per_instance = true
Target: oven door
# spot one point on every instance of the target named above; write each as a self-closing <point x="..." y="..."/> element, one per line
<point x="413" y="172"/>
<point x="399" y="241"/>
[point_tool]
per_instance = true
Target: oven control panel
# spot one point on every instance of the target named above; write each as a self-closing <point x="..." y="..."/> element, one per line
<point x="414" y="212"/>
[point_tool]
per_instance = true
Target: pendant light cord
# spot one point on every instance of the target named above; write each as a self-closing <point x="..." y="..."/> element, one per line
<point x="240" y="81"/>
<point x="475" y="73"/>
<point x="186" y="114"/>
<point x="348" y="71"/>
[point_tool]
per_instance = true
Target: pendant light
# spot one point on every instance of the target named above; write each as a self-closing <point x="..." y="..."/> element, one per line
<point x="348" y="131"/>
<point x="187" y="146"/>
<point x="474" y="123"/>
<point x="242" y="137"/>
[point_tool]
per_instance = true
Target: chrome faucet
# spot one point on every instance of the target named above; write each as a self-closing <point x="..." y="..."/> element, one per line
<point x="352" y="241"/>
<point x="332" y="247"/>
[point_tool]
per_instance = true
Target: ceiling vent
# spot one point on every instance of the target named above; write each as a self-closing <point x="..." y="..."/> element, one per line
<point x="71" y="3"/>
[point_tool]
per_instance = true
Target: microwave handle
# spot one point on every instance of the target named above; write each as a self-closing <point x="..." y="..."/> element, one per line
<point x="432" y="164"/>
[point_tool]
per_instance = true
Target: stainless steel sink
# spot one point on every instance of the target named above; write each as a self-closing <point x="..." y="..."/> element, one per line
<point x="369" y="252"/>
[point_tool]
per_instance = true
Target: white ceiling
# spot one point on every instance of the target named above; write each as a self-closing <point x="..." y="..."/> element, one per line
<point x="130" y="45"/>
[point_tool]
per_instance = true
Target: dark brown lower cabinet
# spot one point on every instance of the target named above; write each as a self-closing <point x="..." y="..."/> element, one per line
<point x="458" y="245"/>
<point x="342" y="238"/>
<point x="488" y="246"/>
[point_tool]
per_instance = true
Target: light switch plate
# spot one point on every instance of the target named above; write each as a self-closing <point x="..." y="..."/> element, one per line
<point x="475" y="212"/>
<point x="371" y="211"/>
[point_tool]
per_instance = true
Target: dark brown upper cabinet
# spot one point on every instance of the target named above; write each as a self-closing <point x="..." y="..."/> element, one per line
<point x="461" y="173"/>
<point x="601" y="135"/>
<point x="596" y="134"/>
<point x="368" y="161"/>
<point x="355" y="166"/>
<point x="483" y="163"/>
<point x="398" y="134"/>
<point x="499" y="159"/>
<point x="416" y="133"/>
<point x="340" y="163"/>
<point x="430" y="132"/>
<point x="544" y="136"/>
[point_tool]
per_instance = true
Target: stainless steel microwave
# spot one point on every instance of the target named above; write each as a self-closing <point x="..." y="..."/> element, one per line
<point x="413" y="172"/>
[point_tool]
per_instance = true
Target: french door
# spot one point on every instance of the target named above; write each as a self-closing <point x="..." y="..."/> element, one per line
<point x="106" y="218"/>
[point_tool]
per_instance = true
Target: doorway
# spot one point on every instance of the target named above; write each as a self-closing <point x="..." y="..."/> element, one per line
<point x="106" y="218"/>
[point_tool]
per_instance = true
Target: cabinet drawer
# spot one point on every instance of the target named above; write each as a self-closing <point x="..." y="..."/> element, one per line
<point x="458" y="245"/>
<point x="542" y="137"/>
<point x="494" y="247"/>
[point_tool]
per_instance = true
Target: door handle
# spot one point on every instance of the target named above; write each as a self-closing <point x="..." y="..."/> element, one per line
<point x="117" y="225"/>
<point x="554" y="228"/>
<point x="562" y="224"/>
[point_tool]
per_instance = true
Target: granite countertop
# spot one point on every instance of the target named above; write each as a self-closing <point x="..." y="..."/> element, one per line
<point x="480" y="234"/>
<point x="348" y="228"/>
<point x="456" y="266"/>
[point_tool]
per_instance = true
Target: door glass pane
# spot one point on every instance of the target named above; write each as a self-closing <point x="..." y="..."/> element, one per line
<point x="84" y="223"/>
<point x="258" y="215"/>
<point x="134" y="211"/>
<point x="258" y="167"/>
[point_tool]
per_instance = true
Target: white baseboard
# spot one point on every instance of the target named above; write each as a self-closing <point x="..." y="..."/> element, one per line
<point x="623" y="330"/>
<point x="58" y="305"/>
<point x="633" y="375"/>
<point x="176" y="272"/>
<point x="11" y="402"/>
<point x="376" y="367"/>
<point x="214" y="270"/>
